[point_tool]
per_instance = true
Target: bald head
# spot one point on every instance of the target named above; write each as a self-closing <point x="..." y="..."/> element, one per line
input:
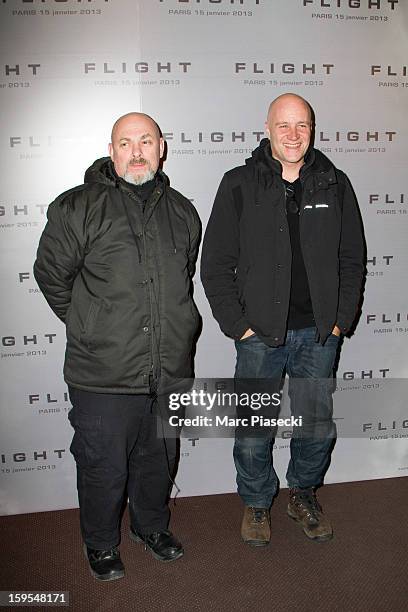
<point x="285" y="101"/>
<point x="289" y="128"/>
<point x="133" y="117"/>
<point x="136" y="147"/>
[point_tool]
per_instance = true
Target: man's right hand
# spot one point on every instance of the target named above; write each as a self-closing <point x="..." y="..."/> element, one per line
<point x="249" y="332"/>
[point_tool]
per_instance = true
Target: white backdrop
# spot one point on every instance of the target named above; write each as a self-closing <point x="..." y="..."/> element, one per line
<point x="206" y="70"/>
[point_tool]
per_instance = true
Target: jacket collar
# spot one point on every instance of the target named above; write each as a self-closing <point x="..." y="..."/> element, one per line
<point x="267" y="168"/>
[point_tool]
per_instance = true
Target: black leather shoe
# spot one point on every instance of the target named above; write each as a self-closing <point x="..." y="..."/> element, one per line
<point x="105" y="564"/>
<point x="162" y="544"/>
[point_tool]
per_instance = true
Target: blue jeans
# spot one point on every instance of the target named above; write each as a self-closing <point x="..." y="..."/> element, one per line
<point x="310" y="397"/>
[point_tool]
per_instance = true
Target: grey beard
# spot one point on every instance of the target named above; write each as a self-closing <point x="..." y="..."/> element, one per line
<point x="139" y="180"/>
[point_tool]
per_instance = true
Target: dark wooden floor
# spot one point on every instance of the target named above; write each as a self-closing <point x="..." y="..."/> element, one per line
<point x="364" y="568"/>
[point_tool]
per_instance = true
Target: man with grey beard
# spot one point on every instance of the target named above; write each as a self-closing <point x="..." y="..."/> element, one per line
<point x="115" y="263"/>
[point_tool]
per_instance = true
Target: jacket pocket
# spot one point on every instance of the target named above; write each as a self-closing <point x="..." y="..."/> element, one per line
<point x="88" y="446"/>
<point x="90" y="321"/>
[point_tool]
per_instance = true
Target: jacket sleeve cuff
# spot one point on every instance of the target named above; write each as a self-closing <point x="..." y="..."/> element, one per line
<point x="343" y="327"/>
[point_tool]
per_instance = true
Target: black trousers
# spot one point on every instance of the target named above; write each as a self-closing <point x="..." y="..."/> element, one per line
<point x="119" y="454"/>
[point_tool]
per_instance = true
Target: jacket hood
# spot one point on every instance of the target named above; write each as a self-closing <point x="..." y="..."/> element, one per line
<point x="266" y="166"/>
<point x="102" y="171"/>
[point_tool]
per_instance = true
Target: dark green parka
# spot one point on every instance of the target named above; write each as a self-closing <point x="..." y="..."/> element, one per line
<point x="120" y="278"/>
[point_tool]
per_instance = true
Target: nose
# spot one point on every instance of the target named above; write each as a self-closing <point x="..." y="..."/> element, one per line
<point x="136" y="150"/>
<point x="293" y="133"/>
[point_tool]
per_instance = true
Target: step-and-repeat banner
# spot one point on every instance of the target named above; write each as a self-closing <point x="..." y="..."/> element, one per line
<point x="206" y="70"/>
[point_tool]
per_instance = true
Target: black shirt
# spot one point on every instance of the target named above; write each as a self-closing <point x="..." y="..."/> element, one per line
<point x="300" y="306"/>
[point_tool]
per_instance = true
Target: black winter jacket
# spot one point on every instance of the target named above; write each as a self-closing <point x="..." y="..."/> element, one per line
<point x="120" y="279"/>
<point x="246" y="260"/>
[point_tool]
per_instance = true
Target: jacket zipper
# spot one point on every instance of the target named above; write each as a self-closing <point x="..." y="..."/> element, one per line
<point x="153" y="370"/>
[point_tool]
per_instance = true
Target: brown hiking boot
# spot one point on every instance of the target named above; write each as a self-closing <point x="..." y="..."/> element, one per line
<point x="255" y="528"/>
<point x="304" y="508"/>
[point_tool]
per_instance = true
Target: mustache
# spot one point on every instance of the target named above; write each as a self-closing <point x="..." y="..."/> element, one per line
<point x="138" y="160"/>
